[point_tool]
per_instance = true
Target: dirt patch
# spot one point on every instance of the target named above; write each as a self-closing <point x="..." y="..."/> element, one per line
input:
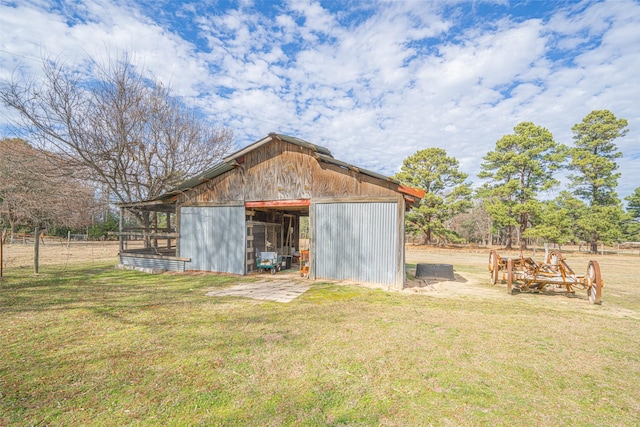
<point x="464" y="284"/>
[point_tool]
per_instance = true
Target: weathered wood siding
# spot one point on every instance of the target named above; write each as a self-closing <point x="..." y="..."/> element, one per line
<point x="283" y="171"/>
<point x="278" y="171"/>
<point x="224" y="188"/>
<point x="334" y="181"/>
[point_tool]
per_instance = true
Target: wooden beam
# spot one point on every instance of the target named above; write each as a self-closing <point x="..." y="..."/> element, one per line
<point x="411" y="191"/>
<point x="120" y="227"/>
<point x="299" y="203"/>
<point x="401" y="270"/>
<point x="153" y="205"/>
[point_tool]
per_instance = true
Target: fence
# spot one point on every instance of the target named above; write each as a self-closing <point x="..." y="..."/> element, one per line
<point x="21" y="251"/>
<point x="28" y="238"/>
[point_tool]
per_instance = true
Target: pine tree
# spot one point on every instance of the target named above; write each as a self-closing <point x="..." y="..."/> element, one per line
<point x="593" y="161"/>
<point x="447" y="193"/>
<point x="521" y="166"/>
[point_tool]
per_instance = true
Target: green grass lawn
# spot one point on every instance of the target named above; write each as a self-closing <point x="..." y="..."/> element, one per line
<point x="90" y="345"/>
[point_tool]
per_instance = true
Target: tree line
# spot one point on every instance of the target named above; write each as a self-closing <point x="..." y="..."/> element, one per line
<point x="516" y="175"/>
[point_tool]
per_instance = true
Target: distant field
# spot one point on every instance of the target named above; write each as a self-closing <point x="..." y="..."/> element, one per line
<point x="83" y="343"/>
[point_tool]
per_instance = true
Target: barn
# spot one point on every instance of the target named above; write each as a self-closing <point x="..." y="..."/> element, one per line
<point x="278" y="194"/>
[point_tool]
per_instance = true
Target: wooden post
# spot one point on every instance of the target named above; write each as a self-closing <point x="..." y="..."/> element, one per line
<point x="250" y="254"/>
<point x="68" y="238"/>
<point x="168" y="229"/>
<point x="401" y="266"/>
<point x="1" y="244"/>
<point x="120" y="227"/>
<point x="36" y="249"/>
<point x="146" y="228"/>
<point x="154" y="228"/>
<point x="312" y="242"/>
<point x="178" y="231"/>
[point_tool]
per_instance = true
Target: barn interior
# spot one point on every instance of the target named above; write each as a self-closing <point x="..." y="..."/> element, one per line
<point x="151" y="229"/>
<point x="283" y="230"/>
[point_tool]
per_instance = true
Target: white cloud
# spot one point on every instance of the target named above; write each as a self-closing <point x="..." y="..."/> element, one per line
<point x="400" y="77"/>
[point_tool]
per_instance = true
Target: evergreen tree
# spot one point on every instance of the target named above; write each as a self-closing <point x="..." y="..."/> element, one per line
<point x="593" y="161"/>
<point x="632" y="227"/>
<point x="521" y="166"/>
<point x="558" y="219"/>
<point x="602" y="224"/>
<point x="447" y="193"/>
<point x="633" y="204"/>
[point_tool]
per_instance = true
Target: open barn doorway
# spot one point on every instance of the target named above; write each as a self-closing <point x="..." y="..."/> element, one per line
<point x="277" y="231"/>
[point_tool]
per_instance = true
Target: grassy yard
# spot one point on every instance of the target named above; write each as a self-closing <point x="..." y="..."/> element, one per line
<point x="87" y="344"/>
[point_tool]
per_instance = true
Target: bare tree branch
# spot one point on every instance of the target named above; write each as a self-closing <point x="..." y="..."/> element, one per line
<point x="122" y="130"/>
<point x="34" y="192"/>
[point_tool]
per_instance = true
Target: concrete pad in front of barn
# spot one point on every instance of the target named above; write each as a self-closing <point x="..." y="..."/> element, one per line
<point x="285" y="290"/>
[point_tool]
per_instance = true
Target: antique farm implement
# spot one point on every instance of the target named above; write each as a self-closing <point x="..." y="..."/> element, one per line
<point x="524" y="274"/>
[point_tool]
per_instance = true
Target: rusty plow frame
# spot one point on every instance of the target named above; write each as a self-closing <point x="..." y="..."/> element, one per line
<point x="555" y="275"/>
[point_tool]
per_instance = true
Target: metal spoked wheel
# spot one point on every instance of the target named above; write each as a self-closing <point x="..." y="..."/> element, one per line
<point x="494" y="266"/>
<point x="594" y="281"/>
<point x="510" y="276"/>
<point x="554" y="257"/>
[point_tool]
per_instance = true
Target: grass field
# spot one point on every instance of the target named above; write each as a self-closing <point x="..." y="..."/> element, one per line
<point x="85" y="344"/>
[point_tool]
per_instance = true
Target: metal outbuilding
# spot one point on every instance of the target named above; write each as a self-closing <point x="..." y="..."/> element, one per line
<point x="257" y="199"/>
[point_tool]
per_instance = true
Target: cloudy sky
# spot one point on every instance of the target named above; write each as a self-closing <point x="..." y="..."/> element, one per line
<point x="372" y="81"/>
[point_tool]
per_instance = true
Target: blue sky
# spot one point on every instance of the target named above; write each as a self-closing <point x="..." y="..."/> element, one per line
<point x="372" y="81"/>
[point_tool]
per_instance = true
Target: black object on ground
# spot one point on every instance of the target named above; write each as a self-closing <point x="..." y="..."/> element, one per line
<point x="435" y="271"/>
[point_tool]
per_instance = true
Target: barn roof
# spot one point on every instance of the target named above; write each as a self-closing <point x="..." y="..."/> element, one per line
<point x="230" y="162"/>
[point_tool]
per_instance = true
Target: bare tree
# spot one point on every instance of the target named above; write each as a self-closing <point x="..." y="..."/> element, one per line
<point x="128" y="132"/>
<point x="33" y="191"/>
<point x="475" y="224"/>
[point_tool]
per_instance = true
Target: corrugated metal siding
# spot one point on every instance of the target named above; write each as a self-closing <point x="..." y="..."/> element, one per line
<point x="356" y="241"/>
<point x="165" y="264"/>
<point x="213" y="237"/>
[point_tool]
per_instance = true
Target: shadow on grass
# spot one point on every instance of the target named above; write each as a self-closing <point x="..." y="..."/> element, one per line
<point x="578" y="294"/>
<point x="101" y="289"/>
<point x="17" y="278"/>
